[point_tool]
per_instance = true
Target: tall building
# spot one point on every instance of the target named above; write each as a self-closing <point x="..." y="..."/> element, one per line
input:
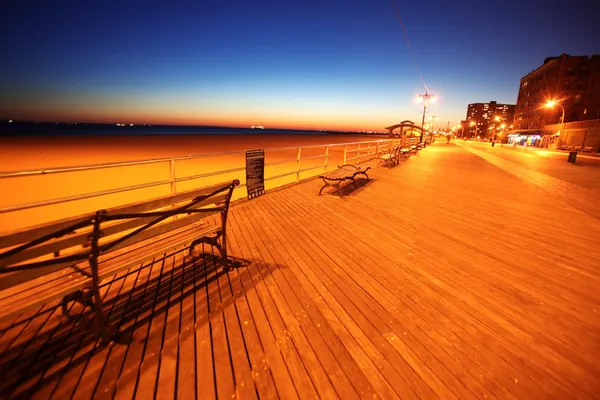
<point x="573" y="81"/>
<point x="486" y="118"/>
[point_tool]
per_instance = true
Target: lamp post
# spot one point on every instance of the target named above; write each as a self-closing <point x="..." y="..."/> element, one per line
<point x="551" y="104"/>
<point x="425" y="98"/>
<point x="502" y="126"/>
<point x="433" y="118"/>
<point x="473" y="123"/>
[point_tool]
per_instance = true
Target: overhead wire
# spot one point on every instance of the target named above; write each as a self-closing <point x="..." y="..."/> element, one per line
<point x="412" y="54"/>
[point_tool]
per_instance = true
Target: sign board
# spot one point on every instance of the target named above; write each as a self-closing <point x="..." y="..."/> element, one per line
<point x="255" y="173"/>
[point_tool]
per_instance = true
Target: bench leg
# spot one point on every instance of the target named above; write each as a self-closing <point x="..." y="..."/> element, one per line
<point x="85" y="298"/>
<point x="214" y="241"/>
<point x="327" y="184"/>
<point x="324" y="186"/>
<point x="101" y="321"/>
<point x="339" y="189"/>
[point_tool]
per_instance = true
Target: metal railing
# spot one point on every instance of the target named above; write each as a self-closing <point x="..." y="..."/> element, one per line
<point x="353" y="152"/>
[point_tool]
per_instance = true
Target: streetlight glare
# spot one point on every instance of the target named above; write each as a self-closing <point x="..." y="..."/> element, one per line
<point x="419" y="99"/>
<point x="550" y="103"/>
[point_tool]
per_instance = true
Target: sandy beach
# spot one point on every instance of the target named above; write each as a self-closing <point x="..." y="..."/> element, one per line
<point x="30" y="153"/>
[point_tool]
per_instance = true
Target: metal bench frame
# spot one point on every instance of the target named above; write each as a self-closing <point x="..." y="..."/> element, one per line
<point x="143" y="232"/>
<point x="390" y="158"/>
<point x="346" y="172"/>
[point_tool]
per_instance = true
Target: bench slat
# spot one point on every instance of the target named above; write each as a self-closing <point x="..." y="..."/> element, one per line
<point x="81" y="238"/>
<point x="60" y="283"/>
<point x="157" y="230"/>
<point x="146" y="252"/>
<point x="21" y="290"/>
<point x="159" y="202"/>
<point x="10" y="279"/>
<point x="31" y="233"/>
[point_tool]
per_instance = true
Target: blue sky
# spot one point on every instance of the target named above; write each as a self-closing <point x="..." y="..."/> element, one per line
<point x="308" y="64"/>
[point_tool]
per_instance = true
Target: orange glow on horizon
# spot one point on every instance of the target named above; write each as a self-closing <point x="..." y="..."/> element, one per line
<point x="324" y="115"/>
<point x="141" y="117"/>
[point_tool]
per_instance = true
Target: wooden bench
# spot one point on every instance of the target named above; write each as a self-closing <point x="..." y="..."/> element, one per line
<point x="390" y="157"/>
<point x="405" y="152"/>
<point x="344" y="173"/>
<point x="72" y="258"/>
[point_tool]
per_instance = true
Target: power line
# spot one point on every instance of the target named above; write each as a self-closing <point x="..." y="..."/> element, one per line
<point x="409" y="47"/>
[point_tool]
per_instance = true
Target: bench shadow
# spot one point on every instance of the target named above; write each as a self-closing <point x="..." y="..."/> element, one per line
<point x="71" y="342"/>
<point x="350" y="189"/>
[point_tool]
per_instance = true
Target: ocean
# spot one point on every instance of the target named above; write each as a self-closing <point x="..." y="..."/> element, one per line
<point x="94" y="129"/>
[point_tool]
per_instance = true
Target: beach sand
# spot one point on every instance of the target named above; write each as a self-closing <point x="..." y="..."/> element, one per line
<point x="30" y="153"/>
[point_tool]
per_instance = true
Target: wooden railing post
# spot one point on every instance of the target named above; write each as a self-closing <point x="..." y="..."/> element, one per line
<point x="298" y="164"/>
<point x="376" y="149"/>
<point x="345" y="153"/>
<point x="326" y="157"/>
<point x="173" y="182"/>
<point x="173" y="179"/>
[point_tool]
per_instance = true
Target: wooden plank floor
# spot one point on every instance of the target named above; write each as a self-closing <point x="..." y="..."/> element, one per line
<point x="453" y="275"/>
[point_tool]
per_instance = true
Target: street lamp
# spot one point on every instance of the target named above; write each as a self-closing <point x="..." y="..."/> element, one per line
<point x="551" y="104"/>
<point x="502" y="126"/>
<point x="473" y="123"/>
<point x="433" y="118"/>
<point x="462" y="131"/>
<point x="425" y="98"/>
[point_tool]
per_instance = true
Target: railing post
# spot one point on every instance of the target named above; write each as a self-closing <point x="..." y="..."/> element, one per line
<point x="173" y="182"/>
<point x="298" y="164"/>
<point x="376" y="149"/>
<point x="326" y="157"/>
<point x="173" y="179"/>
<point x="345" y="153"/>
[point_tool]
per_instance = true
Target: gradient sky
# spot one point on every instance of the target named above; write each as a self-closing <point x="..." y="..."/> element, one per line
<point x="331" y="64"/>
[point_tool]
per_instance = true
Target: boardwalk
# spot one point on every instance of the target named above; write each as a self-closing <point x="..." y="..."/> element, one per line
<point x="459" y="274"/>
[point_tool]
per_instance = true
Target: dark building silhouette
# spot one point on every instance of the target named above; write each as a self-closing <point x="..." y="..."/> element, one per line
<point x="487" y="118"/>
<point x="573" y="81"/>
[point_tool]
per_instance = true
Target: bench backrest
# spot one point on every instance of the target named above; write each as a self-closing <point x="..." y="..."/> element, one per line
<point x="41" y="250"/>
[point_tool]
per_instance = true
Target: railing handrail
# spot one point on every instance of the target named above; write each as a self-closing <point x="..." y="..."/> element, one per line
<point x="87" y="167"/>
<point x="366" y="152"/>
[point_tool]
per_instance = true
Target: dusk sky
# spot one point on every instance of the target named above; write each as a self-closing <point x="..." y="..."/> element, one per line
<point x="331" y="64"/>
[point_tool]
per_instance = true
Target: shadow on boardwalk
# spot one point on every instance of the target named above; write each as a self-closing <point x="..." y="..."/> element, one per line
<point x="45" y="356"/>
